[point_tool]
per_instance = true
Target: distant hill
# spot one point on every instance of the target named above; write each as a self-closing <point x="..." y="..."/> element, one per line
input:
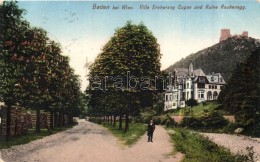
<point x="220" y="58"/>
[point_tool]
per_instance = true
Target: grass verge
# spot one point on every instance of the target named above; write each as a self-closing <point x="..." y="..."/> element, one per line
<point x="31" y="136"/>
<point x="136" y="130"/>
<point x="198" y="148"/>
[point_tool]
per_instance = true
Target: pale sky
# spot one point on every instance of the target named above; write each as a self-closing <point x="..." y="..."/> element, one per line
<point x="82" y="31"/>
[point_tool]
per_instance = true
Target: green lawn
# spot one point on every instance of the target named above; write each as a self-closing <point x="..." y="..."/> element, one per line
<point x="200" y="149"/>
<point x="198" y="110"/>
<point x="136" y="130"/>
<point x="30" y="136"/>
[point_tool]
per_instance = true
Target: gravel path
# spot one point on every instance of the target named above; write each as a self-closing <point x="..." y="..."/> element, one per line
<point x="91" y="142"/>
<point x="236" y="144"/>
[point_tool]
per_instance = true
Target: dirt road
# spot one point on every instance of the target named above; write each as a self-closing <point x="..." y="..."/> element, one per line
<point x="236" y="144"/>
<point x="88" y="142"/>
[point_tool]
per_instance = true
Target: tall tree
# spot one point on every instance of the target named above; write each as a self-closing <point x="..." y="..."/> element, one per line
<point x="33" y="72"/>
<point x="12" y="27"/>
<point x="129" y="61"/>
<point x="241" y="96"/>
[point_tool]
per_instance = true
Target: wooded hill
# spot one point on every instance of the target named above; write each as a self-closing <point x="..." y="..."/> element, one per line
<point x="221" y="57"/>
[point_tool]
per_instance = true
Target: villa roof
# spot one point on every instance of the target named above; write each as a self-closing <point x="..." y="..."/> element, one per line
<point x="199" y="72"/>
<point x="182" y="72"/>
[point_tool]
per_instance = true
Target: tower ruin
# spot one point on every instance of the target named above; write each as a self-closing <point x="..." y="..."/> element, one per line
<point x="225" y="34"/>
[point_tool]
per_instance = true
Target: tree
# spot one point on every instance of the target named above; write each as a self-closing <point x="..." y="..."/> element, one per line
<point x="12" y="26"/>
<point x="132" y="50"/>
<point x="33" y="73"/>
<point x="35" y="81"/>
<point x="241" y="96"/>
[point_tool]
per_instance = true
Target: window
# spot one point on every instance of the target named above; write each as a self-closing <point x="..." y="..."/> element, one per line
<point x="201" y="85"/>
<point x="215" y="86"/>
<point x="188" y="85"/>
<point x="209" y="86"/>
<point x="202" y="80"/>
<point x="200" y="94"/>
<point x="175" y="96"/>
<point x="183" y="95"/>
<point x="166" y="97"/>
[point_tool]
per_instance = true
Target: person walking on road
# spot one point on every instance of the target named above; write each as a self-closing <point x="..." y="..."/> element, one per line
<point x="150" y="130"/>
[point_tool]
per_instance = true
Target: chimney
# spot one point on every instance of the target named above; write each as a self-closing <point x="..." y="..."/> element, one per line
<point x="190" y="71"/>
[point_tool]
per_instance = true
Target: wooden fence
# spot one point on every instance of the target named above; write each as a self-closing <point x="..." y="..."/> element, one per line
<point x="21" y="120"/>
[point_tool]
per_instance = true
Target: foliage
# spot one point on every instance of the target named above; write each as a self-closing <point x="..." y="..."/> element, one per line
<point x="191" y="102"/>
<point x="168" y="121"/>
<point x="198" y="148"/>
<point x="131" y="137"/>
<point x="133" y="51"/>
<point x="33" y="73"/>
<point x="252" y="130"/>
<point x="11" y="23"/>
<point x="199" y="109"/>
<point x="159" y="103"/>
<point x="209" y="120"/>
<point x="242" y="93"/>
<point x="229" y="128"/>
<point x="145" y="116"/>
<point x="220" y="58"/>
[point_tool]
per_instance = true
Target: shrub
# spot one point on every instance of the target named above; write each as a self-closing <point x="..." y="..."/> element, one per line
<point x="191" y="102"/>
<point x="145" y="117"/>
<point x="213" y="120"/>
<point x="210" y="120"/>
<point x="190" y="121"/>
<point x="157" y="120"/>
<point x="253" y="130"/>
<point x="204" y="103"/>
<point x="168" y="121"/>
<point x="229" y="128"/>
<point x="164" y="119"/>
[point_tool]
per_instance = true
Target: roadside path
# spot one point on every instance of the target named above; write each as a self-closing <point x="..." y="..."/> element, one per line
<point x="236" y="144"/>
<point x="89" y="142"/>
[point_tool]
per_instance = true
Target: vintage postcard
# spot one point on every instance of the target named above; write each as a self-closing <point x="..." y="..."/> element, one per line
<point x="133" y="81"/>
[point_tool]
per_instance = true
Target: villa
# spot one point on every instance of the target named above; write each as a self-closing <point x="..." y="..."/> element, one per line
<point x="189" y="83"/>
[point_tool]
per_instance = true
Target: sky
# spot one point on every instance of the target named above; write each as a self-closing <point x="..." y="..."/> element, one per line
<point x="82" y="30"/>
